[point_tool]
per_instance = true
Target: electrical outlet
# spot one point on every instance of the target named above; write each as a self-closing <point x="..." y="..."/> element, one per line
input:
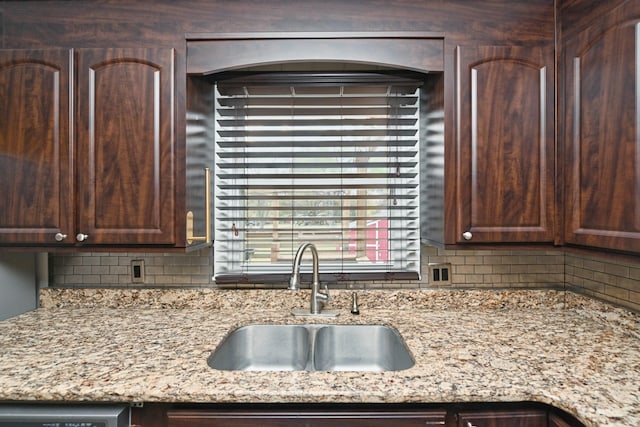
<point x="137" y="271"/>
<point x="440" y="274"/>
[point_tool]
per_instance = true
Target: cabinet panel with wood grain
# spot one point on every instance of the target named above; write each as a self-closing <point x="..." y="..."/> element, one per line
<point x="305" y="419"/>
<point x="504" y="145"/>
<point x="125" y="139"/>
<point x="36" y="151"/>
<point x="602" y="133"/>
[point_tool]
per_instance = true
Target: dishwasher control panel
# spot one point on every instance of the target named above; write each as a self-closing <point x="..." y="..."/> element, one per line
<point x="63" y="415"/>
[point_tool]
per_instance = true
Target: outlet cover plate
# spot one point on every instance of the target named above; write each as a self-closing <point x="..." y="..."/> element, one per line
<point x="137" y="271"/>
<point x="440" y="274"/>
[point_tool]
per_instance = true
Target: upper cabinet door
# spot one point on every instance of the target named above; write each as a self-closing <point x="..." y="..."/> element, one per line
<point x="36" y="196"/>
<point x="505" y="145"/>
<point x="125" y="146"/>
<point x="602" y="136"/>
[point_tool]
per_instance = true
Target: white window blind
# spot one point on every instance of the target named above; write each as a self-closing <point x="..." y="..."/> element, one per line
<point x="328" y="159"/>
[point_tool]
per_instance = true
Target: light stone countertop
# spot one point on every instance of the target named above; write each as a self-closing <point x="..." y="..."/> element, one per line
<point x="152" y="345"/>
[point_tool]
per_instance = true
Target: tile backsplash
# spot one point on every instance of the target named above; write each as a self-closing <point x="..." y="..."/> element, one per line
<point x="99" y="269"/>
<point x="604" y="278"/>
<point x="612" y="280"/>
<point x="476" y="269"/>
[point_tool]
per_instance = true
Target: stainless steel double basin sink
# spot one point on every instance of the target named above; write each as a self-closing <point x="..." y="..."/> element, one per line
<point x="312" y="348"/>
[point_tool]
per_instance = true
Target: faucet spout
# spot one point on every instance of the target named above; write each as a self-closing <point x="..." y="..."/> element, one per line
<point x="318" y="298"/>
<point x="294" y="281"/>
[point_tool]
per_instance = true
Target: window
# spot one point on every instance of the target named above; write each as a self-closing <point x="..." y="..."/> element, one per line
<point x="330" y="159"/>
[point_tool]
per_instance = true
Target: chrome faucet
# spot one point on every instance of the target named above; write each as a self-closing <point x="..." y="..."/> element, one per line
<point x="318" y="298"/>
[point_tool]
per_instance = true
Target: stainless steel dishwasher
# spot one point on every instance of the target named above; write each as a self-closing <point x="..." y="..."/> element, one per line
<point x="64" y="415"/>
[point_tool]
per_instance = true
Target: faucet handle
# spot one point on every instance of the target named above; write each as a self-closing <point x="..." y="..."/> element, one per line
<point x="326" y="290"/>
<point x="324" y="295"/>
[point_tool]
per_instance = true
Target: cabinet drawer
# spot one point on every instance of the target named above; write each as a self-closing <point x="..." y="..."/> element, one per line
<point x="206" y="418"/>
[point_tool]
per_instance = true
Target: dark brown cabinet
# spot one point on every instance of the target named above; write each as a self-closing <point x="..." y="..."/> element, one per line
<point x="36" y="163"/>
<point x="507" y="418"/>
<point x="88" y="161"/>
<point x="557" y="421"/>
<point x="125" y="145"/>
<point x="304" y="419"/>
<point x="523" y="414"/>
<point x="92" y="141"/>
<point x="504" y="158"/>
<point x="601" y="133"/>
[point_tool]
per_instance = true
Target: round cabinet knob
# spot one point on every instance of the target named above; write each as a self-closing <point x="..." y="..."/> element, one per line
<point x="467" y="235"/>
<point x="60" y="237"/>
<point x="80" y="237"/>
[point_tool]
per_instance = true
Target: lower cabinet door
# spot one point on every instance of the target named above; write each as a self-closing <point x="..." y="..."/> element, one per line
<point x="503" y="419"/>
<point x="200" y="418"/>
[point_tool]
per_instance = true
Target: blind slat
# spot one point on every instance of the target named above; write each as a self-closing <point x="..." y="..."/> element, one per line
<point x="314" y="154"/>
<point x="323" y="165"/>
<point x="245" y="176"/>
<point x="249" y="144"/>
<point x="328" y="187"/>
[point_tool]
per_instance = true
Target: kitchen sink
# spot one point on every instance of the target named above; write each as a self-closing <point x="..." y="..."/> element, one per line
<point x="312" y="348"/>
<point x="263" y="348"/>
<point x="360" y="348"/>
